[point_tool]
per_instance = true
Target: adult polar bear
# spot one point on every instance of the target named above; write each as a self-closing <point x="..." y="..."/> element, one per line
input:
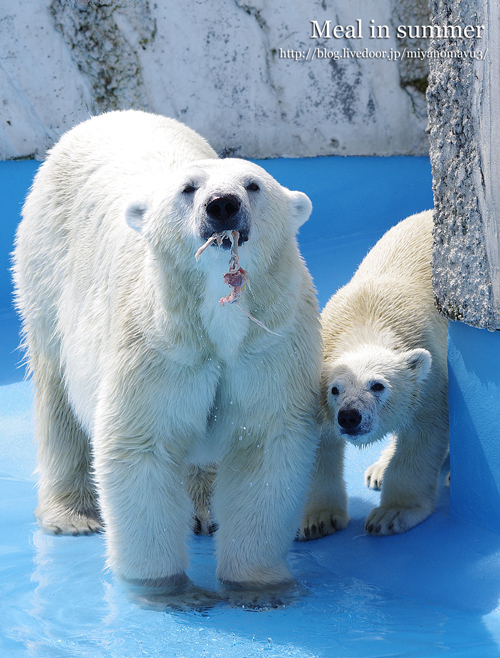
<point x="133" y="355"/>
<point x="384" y="371"/>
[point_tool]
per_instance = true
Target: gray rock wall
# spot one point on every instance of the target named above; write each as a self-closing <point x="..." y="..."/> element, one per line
<point x="463" y="101"/>
<point x="241" y="72"/>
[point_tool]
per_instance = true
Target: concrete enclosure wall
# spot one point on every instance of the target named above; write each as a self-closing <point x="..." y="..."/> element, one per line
<point x="464" y="118"/>
<point x="474" y="393"/>
<point x="464" y="114"/>
<point x="245" y="74"/>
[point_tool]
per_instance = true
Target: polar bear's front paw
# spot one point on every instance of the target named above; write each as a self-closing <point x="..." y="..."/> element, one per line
<point x="374" y="475"/>
<point x="183" y="597"/>
<point x="321" y="523"/>
<point x="260" y="599"/>
<point x="70" y="523"/>
<point x="394" y="520"/>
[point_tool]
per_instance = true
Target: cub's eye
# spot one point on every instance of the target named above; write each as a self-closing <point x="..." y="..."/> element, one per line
<point x="189" y="189"/>
<point x="252" y="187"/>
<point x="335" y="390"/>
<point x="377" y="387"/>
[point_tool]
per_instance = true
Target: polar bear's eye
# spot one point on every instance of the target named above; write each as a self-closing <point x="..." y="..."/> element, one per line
<point x="189" y="189"/>
<point x="252" y="187"/>
<point x="335" y="390"/>
<point x="377" y="387"/>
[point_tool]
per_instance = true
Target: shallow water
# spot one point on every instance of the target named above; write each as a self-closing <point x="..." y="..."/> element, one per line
<point x="430" y="592"/>
<point x="364" y="596"/>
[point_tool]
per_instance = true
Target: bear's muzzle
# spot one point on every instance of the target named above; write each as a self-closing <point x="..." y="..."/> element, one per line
<point x="225" y="213"/>
<point x="350" y="420"/>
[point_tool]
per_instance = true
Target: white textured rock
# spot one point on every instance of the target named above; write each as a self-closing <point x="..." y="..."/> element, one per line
<point x="464" y="119"/>
<point x="214" y="66"/>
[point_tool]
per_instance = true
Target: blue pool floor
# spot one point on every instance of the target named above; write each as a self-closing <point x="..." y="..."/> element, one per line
<point x="430" y="592"/>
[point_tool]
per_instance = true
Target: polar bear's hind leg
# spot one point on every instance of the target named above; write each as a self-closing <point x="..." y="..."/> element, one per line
<point x="67" y="498"/>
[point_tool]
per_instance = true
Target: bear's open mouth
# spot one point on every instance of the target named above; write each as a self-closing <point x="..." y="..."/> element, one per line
<point x="225" y="241"/>
<point x="227" y="244"/>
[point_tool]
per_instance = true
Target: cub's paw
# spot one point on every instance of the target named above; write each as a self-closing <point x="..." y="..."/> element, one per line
<point x="321" y="523"/>
<point x="70" y="523"/>
<point x="394" y="520"/>
<point x="374" y="475"/>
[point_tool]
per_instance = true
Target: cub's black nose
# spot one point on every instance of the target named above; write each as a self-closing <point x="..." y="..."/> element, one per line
<point x="223" y="208"/>
<point x="349" y="419"/>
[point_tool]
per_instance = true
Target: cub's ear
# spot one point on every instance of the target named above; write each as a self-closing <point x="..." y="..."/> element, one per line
<point x="135" y="215"/>
<point x="418" y="361"/>
<point x="300" y="208"/>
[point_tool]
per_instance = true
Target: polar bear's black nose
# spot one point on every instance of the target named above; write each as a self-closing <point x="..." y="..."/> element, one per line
<point x="222" y="209"/>
<point x="349" y="419"/>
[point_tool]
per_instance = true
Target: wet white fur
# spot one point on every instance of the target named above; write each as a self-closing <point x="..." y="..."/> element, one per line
<point x="382" y="327"/>
<point x="139" y="370"/>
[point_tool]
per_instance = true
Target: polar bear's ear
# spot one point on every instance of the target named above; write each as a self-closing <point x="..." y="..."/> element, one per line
<point x="135" y="215"/>
<point x="418" y="361"/>
<point x="300" y="208"/>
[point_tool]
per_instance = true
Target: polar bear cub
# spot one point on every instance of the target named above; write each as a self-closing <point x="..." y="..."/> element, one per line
<point x="141" y="373"/>
<point x="384" y="372"/>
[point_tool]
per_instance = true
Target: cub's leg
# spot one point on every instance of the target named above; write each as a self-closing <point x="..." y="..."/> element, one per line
<point x="67" y="498"/>
<point x="409" y="487"/>
<point x="326" y="508"/>
<point x="374" y="474"/>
